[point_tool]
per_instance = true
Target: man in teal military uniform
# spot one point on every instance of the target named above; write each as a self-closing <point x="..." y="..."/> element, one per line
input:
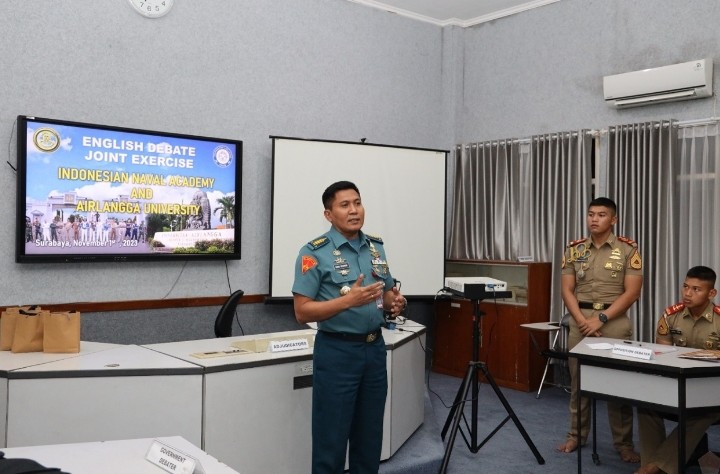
<point x="693" y="323"/>
<point x="343" y="282"/>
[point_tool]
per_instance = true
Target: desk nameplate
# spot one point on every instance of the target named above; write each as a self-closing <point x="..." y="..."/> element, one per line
<point x="631" y="350"/>
<point x="288" y="345"/>
<point x="172" y="460"/>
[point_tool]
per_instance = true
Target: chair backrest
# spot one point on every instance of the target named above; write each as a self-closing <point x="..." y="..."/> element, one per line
<point x="224" y="320"/>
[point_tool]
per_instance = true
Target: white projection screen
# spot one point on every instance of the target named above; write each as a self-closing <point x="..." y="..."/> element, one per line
<point x="403" y="192"/>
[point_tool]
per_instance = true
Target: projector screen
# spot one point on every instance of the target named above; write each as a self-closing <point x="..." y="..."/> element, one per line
<point x="403" y="192"/>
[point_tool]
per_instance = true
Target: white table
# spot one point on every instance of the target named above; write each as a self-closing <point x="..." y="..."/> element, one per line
<point x="668" y="383"/>
<point x="257" y="407"/>
<point x="121" y="392"/>
<point x="113" y="457"/>
<point x="10" y="362"/>
<point x="237" y="408"/>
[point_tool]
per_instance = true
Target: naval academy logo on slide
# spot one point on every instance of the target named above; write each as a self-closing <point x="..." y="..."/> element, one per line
<point x="46" y="139"/>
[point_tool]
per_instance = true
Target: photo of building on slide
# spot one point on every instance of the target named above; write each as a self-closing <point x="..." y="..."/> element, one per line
<point x="95" y="191"/>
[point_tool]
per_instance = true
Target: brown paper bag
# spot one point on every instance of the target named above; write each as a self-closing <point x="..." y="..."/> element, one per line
<point x="7" y="327"/>
<point x="7" y="324"/>
<point x="61" y="331"/>
<point x="28" y="335"/>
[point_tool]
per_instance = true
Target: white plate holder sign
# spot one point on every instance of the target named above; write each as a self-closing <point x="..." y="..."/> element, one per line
<point x="288" y="345"/>
<point x="633" y="350"/>
<point x="172" y="460"/>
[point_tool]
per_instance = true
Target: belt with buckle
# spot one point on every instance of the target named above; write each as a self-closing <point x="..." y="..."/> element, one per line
<point x="369" y="337"/>
<point x="595" y="306"/>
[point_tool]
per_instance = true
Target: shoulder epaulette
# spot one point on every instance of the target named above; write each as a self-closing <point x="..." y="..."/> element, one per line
<point x="676" y="308"/>
<point x="716" y="309"/>
<point x="317" y="243"/>
<point x="374" y="238"/>
<point x="627" y="241"/>
<point x="573" y="243"/>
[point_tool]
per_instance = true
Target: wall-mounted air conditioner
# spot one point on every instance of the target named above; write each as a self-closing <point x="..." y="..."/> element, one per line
<point x="690" y="80"/>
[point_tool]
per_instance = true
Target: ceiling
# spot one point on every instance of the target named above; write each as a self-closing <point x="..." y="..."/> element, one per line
<point x="455" y="12"/>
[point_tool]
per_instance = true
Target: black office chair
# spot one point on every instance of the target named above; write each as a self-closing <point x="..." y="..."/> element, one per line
<point x="224" y="320"/>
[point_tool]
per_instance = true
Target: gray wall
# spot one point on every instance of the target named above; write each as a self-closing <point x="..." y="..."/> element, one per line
<point x="541" y="71"/>
<point x="323" y="69"/>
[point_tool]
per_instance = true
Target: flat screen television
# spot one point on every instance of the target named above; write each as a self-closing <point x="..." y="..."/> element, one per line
<point x="89" y="192"/>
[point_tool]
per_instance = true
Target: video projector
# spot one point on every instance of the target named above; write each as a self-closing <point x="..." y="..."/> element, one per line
<point x="474" y="287"/>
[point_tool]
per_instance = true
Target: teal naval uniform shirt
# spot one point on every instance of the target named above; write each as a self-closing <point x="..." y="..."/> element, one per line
<point x="349" y="376"/>
<point x="330" y="263"/>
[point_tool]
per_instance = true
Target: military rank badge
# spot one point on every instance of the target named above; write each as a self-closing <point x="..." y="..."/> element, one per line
<point x="308" y="262"/>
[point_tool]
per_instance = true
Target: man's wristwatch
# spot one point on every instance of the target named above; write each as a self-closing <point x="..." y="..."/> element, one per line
<point x="603" y="318"/>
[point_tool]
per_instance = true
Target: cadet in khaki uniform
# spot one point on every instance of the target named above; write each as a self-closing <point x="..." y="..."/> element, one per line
<point x="693" y="323"/>
<point x="601" y="279"/>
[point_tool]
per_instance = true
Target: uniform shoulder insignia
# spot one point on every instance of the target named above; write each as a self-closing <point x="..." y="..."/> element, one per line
<point x="627" y="241"/>
<point x="573" y="243"/>
<point x="317" y="243"/>
<point x="635" y="260"/>
<point x="374" y="238"/>
<point x="716" y="309"/>
<point x="676" y="308"/>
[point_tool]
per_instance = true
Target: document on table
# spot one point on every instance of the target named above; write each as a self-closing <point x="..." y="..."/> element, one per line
<point x="706" y="354"/>
<point x="600" y="345"/>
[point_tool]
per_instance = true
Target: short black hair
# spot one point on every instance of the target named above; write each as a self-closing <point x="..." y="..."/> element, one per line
<point x="329" y="195"/>
<point x="604" y="202"/>
<point x="702" y="273"/>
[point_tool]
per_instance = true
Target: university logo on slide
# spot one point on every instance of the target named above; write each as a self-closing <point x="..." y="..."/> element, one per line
<point x="222" y="156"/>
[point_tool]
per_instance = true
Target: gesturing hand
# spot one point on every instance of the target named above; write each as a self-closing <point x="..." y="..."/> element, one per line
<point x="361" y="295"/>
<point x="398" y="304"/>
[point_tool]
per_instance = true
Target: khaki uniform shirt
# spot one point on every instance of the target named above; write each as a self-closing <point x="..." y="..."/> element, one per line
<point x="677" y="325"/>
<point x="600" y="272"/>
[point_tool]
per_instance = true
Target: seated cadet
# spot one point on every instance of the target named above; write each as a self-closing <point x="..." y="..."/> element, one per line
<point x="693" y="323"/>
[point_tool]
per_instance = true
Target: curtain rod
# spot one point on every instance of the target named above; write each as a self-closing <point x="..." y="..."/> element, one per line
<point x="523" y="140"/>
<point x="680" y="124"/>
<point x="692" y="123"/>
<point x="603" y="131"/>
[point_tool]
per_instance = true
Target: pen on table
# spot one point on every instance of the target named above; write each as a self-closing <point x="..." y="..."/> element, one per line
<point x="633" y="343"/>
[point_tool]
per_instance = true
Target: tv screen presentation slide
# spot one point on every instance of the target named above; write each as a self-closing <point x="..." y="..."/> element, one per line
<point x="108" y="191"/>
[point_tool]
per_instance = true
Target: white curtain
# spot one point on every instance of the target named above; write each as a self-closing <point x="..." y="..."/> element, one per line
<point x="642" y="174"/>
<point x="698" y="196"/>
<point x="521" y="198"/>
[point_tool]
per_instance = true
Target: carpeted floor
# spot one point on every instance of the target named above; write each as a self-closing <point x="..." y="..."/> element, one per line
<point x="546" y="421"/>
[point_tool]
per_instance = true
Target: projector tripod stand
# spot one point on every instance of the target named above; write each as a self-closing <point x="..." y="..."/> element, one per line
<point x="472" y="380"/>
